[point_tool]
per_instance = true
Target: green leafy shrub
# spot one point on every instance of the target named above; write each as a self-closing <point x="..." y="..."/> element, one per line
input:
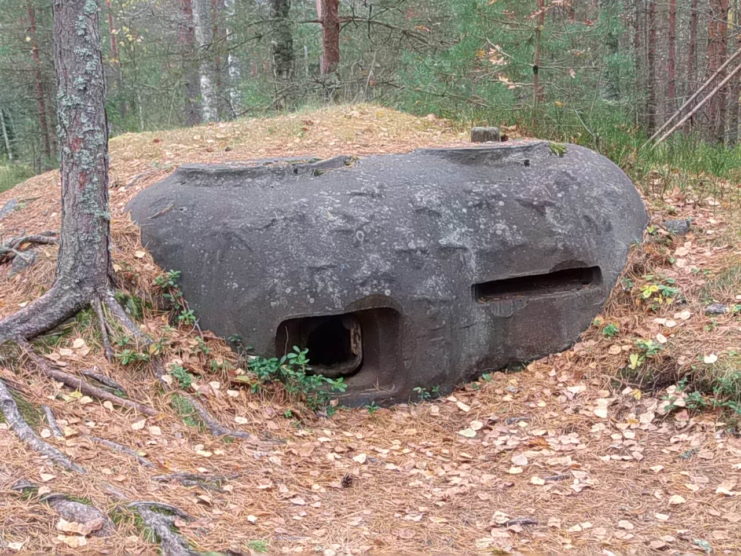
<point x="294" y="372"/>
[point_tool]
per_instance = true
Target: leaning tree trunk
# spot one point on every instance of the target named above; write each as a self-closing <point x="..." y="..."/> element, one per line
<point x="84" y="260"/>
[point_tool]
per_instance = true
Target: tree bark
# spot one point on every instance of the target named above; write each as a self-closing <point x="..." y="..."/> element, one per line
<point x="329" y="15"/>
<point x="205" y="39"/>
<point x="84" y="258"/>
<point x="187" y="40"/>
<point x="652" y="79"/>
<point x="39" y="83"/>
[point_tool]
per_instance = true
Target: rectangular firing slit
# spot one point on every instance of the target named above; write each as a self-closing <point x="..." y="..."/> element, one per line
<point x="567" y="280"/>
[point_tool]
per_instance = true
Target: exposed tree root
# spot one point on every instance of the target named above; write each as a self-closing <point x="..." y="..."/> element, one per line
<point x="103" y="326"/>
<point x="122" y="449"/>
<point x="114" y="307"/>
<point x="216" y="428"/>
<point x="160" y="518"/>
<point x="13" y="247"/>
<point x="52" y="421"/>
<point x="80" y="384"/>
<point x="103" y="379"/>
<point x="99" y="523"/>
<point x="26" y="434"/>
<point x="208" y="482"/>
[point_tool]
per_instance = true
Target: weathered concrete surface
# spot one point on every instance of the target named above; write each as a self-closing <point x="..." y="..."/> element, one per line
<point x="421" y="269"/>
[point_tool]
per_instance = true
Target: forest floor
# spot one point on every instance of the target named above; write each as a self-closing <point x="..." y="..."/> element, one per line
<point x="577" y="452"/>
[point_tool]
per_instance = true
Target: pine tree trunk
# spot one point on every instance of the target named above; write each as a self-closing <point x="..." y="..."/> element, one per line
<point x="671" y="62"/>
<point x="638" y="57"/>
<point x="652" y="79"/>
<point x="39" y="84"/>
<point x="187" y="40"/>
<point x="84" y="257"/>
<point x="692" y="49"/>
<point x="204" y="37"/>
<point x="717" y="48"/>
<point x="330" y="36"/>
<point x="734" y="100"/>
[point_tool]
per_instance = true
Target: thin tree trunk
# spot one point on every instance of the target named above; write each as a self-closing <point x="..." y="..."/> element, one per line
<point x="219" y="48"/>
<point x="281" y="47"/>
<point x="187" y="40"/>
<point x="692" y="49"/>
<point x="652" y="80"/>
<point x="638" y="58"/>
<point x="717" y="48"/>
<point x="234" y="72"/>
<point x="116" y="60"/>
<point x="538" y="93"/>
<point x="735" y="97"/>
<point x="204" y="37"/>
<point x="6" y="139"/>
<point x="39" y="83"/>
<point x="671" y="62"/>
<point x="329" y="15"/>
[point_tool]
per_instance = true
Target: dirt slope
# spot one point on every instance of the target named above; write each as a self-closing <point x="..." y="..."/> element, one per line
<point x="557" y="457"/>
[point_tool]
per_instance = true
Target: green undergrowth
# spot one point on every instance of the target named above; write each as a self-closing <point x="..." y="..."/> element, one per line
<point x="30" y="413"/>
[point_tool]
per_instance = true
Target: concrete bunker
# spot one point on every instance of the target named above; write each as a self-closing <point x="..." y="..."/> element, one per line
<point x="397" y="271"/>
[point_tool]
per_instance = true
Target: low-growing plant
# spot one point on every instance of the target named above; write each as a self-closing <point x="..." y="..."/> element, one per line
<point x="181" y="374"/>
<point x="294" y="372"/>
<point x="657" y="291"/>
<point x="610" y="330"/>
<point x="425" y="394"/>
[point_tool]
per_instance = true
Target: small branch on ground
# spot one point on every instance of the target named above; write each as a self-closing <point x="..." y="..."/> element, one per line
<point x="122" y="449"/>
<point x="79" y="384"/>
<point x="52" y="422"/>
<point x="26" y="434"/>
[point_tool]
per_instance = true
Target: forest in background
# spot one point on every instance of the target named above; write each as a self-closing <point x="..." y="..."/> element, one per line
<point x="603" y="73"/>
